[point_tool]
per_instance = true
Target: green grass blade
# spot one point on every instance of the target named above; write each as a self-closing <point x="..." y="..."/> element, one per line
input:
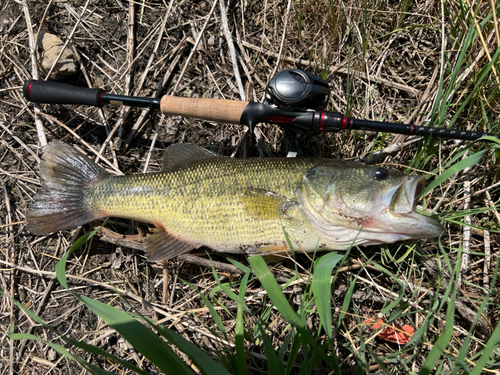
<point x="494" y="340"/>
<point x="274" y="366"/>
<point x="142" y="338"/>
<point x="347" y="300"/>
<point x="445" y="337"/>
<point x="393" y="277"/>
<point x="269" y="283"/>
<point x="491" y="139"/>
<point x="322" y="289"/>
<point x="78" y="344"/>
<point x="61" y="265"/>
<point x="478" y="85"/>
<point x="224" y="287"/>
<point x="284" y="346"/>
<point x="138" y="335"/>
<point x="488" y="351"/>
<point x="460" y="364"/>
<point x="213" y="312"/>
<point x="461" y="165"/>
<point x="100" y="352"/>
<point x="215" y="315"/>
<point x="63" y="351"/>
<point x="240" y="329"/>
<point x="240" y="265"/>
<point x="201" y="360"/>
<point x="294" y="351"/>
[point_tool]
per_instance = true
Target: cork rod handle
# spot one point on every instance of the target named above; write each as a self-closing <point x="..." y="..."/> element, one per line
<point x="218" y="110"/>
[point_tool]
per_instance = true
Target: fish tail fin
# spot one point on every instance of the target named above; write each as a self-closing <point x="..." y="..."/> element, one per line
<point x="67" y="178"/>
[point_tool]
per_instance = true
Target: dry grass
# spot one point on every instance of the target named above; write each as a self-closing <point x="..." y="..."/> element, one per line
<point x="384" y="60"/>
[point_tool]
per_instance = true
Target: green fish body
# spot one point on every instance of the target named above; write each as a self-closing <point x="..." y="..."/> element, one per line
<point x="234" y="205"/>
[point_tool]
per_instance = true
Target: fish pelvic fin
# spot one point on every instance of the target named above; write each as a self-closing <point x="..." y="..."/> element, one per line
<point x="67" y="177"/>
<point x="162" y="245"/>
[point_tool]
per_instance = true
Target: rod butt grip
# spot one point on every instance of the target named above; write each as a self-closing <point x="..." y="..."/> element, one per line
<point x="49" y="92"/>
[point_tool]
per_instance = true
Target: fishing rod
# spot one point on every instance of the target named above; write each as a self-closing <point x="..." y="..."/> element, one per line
<point x="295" y="100"/>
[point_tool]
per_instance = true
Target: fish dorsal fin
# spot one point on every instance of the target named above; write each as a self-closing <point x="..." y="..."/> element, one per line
<point x="179" y="154"/>
<point x="162" y="245"/>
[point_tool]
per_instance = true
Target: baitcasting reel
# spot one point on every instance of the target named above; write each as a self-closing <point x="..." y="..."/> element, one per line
<point x="294" y="90"/>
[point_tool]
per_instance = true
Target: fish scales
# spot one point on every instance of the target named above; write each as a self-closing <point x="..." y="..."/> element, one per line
<point x="209" y="201"/>
<point x="234" y="205"/>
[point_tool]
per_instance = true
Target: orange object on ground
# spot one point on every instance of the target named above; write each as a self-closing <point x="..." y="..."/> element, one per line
<point x="395" y="333"/>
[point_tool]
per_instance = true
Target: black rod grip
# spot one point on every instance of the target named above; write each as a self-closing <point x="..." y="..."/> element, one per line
<point x="48" y="92"/>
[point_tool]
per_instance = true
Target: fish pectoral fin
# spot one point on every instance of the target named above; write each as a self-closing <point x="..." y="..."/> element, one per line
<point x="162" y="245"/>
<point x="264" y="204"/>
<point x="177" y="155"/>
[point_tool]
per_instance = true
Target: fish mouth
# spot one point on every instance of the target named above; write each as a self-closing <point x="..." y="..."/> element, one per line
<point x="398" y="211"/>
<point x="403" y="199"/>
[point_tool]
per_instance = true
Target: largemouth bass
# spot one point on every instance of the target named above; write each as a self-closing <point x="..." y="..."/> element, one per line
<point x="234" y="205"/>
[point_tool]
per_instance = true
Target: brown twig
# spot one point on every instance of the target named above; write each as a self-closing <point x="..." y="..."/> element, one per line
<point x="283" y="36"/>
<point x="18" y="140"/>
<point x="336" y="69"/>
<point x="188" y="258"/>
<point x="232" y="51"/>
<point x="130" y="46"/>
<point x="10" y="240"/>
<point x="195" y="46"/>
<point x="145" y="111"/>
<point x="42" y="138"/>
<point x="466" y="227"/>
<point x="193" y="50"/>
<point x="80" y="139"/>
<point x="67" y="40"/>
<point x="138" y="88"/>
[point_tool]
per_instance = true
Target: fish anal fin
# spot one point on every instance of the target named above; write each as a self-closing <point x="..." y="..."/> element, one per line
<point x="274" y="249"/>
<point x="179" y="154"/>
<point x="276" y="258"/>
<point x="162" y="245"/>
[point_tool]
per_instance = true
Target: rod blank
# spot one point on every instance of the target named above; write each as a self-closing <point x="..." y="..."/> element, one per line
<point x="231" y="111"/>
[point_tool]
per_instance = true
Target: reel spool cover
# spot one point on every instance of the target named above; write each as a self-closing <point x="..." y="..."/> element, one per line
<point x="297" y="90"/>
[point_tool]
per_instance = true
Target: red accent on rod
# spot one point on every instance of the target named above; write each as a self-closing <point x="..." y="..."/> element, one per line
<point x="344" y="123"/>
<point x="100" y="98"/>
<point x="29" y="91"/>
<point x="280" y="119"/>
<point x="321" y="121"/>
<point x="411" y="130"/>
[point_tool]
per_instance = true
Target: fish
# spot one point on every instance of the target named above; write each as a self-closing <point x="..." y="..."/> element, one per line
<point x="245" y="206"/>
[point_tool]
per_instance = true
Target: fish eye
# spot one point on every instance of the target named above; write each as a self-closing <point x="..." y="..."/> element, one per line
<point x="380" y="174"/>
